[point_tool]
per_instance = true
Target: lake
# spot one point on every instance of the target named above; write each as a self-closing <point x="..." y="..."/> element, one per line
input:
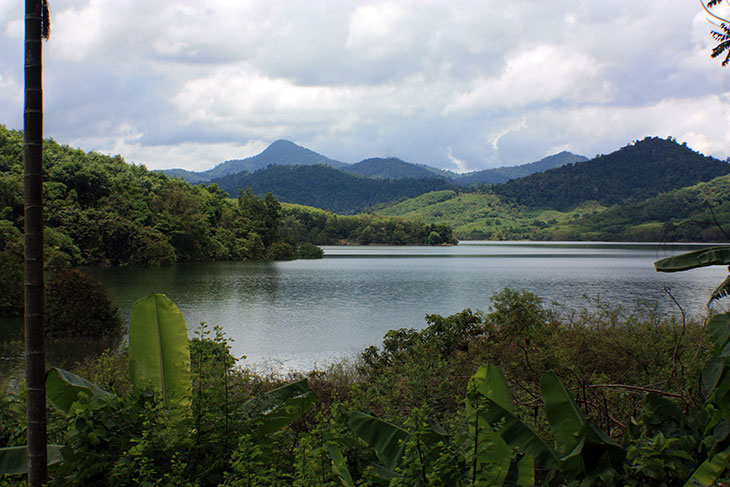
<point x="306" y="313"/>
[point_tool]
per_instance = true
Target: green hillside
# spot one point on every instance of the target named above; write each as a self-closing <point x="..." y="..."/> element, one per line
<point x="635" y="172"/>
<point x="328" y="188"/>
<point x="486" y="216"/>
<point x="691" y="214"/>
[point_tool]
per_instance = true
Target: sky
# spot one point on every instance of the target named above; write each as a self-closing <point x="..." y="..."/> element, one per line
<point x="461" y="85"/>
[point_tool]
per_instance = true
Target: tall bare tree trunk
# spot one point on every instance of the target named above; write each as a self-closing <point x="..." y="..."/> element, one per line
<point x="35" y="358"/>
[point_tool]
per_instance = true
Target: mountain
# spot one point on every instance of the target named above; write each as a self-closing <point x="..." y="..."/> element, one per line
<point x="280" y="152"/>
<point x="328" y="188"/>
<point x="284" y="152"/>
<point x="503" y="174"/>
<point x="638" y="171"/>
<point x="393" y="168"/>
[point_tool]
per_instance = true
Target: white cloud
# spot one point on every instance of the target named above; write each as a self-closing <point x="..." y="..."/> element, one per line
<point x="445" y="83"/>
<point x="541" y="74"/>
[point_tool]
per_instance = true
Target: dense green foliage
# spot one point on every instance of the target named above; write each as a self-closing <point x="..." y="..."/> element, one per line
<point x="635" y="172"/>
<point x="328" y="188"/>
<point x="413" y="386"/>
<point x="99" y="210"/>
<point x="691" y="214"/>
<point x="78" y="306"/>
<point x="305" y="224"/>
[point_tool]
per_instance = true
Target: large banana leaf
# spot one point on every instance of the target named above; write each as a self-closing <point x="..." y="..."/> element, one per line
<point x="159" y="357"/>
<point x="14" y="459"/>
<point x="721" y="291"/>
<point x="518" y="435"/>
<point x="565" y="419"/>
<point x="489" y="456"/>
<point x="719" y="255"/>
<point x="275" y="409"/>
<point x="710" y="470"/>
<point x="585" y="447"/>
<point x="521" y="472"/>
<point x="339" y="464"/>
<point x="719" y="329"/>
<point x="63" y="388"/>
<point x="388" y="440"/>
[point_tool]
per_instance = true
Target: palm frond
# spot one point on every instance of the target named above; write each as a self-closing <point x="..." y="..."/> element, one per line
<point x="723" y="290"/>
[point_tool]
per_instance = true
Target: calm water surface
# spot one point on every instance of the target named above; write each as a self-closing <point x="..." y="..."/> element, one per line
<point x="306" y="313"/>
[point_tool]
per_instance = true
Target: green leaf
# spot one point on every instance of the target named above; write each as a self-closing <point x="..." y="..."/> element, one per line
<point x="521" y="472"/>
<point x="489" y="382"/>
<point x="339" y="464"/>
<point x="710" y="470"/>
<point x="719" y="329"/>
<point x="388" y="440"/>
<point x="63" y="388"/>
<point x="720" y="291"/>
<point x="661" y="407"/>
<point x="565" y="419"/>
<point x="279" y="407"/>
<point x="719" y="255"/>
<point x="518" y="435"/>
<point x="711" y="374"/>
<point x="488" y="455"/>
<point x="14" y="459"/>
<point x="159" y="357"/>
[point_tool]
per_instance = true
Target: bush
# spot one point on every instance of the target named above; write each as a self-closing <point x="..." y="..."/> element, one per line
<point x="78" y="306"/>
<point x="309" y="251"/>
<point x="281" y="251"/>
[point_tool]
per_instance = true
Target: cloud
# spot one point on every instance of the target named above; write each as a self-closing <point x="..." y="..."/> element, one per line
<point x="541" y="74"/>
<point x="468" y="84"/>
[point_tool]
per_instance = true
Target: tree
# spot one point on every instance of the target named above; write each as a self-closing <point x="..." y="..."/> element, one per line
<point x="721" y="33"/>
<point x="36" y="29"/>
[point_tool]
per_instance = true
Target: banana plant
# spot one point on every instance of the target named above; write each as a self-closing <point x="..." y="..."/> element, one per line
<point x="487" y="459"/>
<point x="716" y="384"/>
<point x="491" y="460"/>
<point x="273" y="410"/>
<point x="716" y="373"/>
<point x="159" y="360"/>
<point x="717" y="255"/>
<point x="582" y="453"/>
<point x="159" y="354"/>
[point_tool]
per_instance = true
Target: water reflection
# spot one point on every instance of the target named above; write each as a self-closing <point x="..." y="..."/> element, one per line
<point x="308" y="312"/>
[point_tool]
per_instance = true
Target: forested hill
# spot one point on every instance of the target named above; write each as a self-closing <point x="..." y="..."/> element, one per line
<point x="280" y="152"/>
<point x="503" y="174"/>
<point x="99" y="210"/>
<point x="324" y="187"/>
<point x="633" y="173"/>
<point x="393" y="168"/>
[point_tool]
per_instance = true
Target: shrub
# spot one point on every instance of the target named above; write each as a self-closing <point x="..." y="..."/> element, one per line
<point x="281" y="251"/>
<point x="309" y="251"/>
<point x="78" y="306"/>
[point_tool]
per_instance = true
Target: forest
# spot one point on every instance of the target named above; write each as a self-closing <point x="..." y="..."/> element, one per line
<point x="100" y="210"/>
<point x="328" y="188"/>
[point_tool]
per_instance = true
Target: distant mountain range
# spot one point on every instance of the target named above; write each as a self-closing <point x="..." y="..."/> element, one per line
<point x="281" y="152"/>
<point x="560" y="182"/>
<point x="286" y="153"/>
<point x="650" y="190"/>
<point x="504" y="174"/>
